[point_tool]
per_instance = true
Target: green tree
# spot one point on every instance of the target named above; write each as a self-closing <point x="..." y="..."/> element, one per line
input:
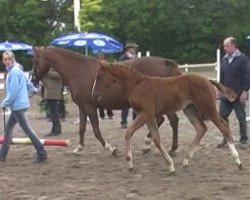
<point x="185" y="30"/>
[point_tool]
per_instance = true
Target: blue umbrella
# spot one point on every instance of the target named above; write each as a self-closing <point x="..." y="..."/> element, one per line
<point x="14" y="46"/>
<point x="94" y="41"/>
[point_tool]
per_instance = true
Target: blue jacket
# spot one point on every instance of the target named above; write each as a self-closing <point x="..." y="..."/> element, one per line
<point x="17" y="89"/>
<point x="236" y="74"/>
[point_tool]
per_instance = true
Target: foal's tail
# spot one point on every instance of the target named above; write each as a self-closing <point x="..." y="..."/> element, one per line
<point x="173" y="66"/>
<point x="229" y="93"/>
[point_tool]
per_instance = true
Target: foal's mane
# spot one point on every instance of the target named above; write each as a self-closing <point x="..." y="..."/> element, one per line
<point x="123" y="67"/>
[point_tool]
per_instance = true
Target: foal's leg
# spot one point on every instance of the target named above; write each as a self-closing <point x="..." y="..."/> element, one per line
<point x="82" y="129"/>
<point x="194" y="117"/>
<point x="159" y="120"/>
<point x="138" y="122"/>
<point x="225" y="130"/>
<point x="173" y="119"/>
<point x="152" y="126"/>
<point x="92" y="113"/>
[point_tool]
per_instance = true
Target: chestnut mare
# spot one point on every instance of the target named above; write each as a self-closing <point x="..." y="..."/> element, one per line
<point x="78" y="73"/>
<point x="148" y="96"/>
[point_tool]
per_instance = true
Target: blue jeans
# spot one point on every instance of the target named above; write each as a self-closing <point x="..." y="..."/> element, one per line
<point x="19" y="116"/>
<point x="124" y="116"/>
<point x="225" y="110"/>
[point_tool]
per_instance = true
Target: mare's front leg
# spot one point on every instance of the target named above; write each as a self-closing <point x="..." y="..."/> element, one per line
<point x="82" y="129"/>
<point x="92" y="113"/>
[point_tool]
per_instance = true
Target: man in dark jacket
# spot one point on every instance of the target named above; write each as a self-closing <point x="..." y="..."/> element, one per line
<point x="235" y="74"/>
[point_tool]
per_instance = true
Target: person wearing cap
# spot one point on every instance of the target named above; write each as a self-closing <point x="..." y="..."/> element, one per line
<point x="235" y="74"/>
<point x="130" y="51"/>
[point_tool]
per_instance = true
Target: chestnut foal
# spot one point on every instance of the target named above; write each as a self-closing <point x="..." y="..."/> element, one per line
<point x="149" y="96"/>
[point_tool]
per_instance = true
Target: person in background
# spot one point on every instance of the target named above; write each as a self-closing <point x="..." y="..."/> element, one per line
<point x="130" y="52"/>
<point x="53" y="95"/>
<point x="101" y="56"/>
<point x="235" y="74"/>
<point x="18" y="89"/>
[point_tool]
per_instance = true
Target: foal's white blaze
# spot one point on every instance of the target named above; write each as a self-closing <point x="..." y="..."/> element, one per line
<point x="93" y="87"/>
<point x="234" y="153"/>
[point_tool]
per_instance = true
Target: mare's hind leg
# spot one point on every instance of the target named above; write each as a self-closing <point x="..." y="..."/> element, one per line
<point x="174" y="120"/>
<point x="225" y="130"/>
<point x="152" y="126"/>
<point x="194" y="117"/>
<point x="92" y="114"/>
<point x="82" y="129"/>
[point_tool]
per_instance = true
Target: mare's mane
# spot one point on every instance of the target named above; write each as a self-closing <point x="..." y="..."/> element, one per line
<point x="69" y="53"/>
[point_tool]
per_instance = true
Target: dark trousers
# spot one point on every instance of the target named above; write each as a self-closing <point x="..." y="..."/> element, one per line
<point x="62" y="109"/>
<point x="225" y="110"/>
<point x="102" y="114"/>
<point x="124" y="116"/>
<point x="54" y="110"/>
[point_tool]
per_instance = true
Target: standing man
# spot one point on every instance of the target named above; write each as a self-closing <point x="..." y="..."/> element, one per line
<point x="235" y="74"/>
<point x="53" y="95"/>
<point x="16" y="98"/>
<point x="129" y="53"/>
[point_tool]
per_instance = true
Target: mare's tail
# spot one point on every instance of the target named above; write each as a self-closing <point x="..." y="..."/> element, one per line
<point x="173" y="67"/>
<point x="229" y="93"/>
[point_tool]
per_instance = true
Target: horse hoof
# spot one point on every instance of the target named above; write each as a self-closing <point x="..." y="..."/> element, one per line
<point x="172" y="154"/>
<point x="145" y="150"/>
<point x="115" y="152"/>
<point x="240" y="166"/>
<point x="130" y="169"/>
<point x="147" y="140"/>
<point x="77" y="150"/>
<point x="184" y="167"/>
<point x="172" y="173"/>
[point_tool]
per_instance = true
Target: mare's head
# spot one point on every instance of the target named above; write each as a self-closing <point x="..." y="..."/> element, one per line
<point x="103" y="81"/>
<point x="40" y="65"/>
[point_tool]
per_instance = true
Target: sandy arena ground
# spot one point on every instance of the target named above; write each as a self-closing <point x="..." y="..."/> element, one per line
<point x="97" y="175"/>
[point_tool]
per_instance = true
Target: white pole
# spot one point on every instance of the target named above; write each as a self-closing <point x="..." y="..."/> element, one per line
<point x="147" y="53"/>
<point x="139" y="54"/>
<point x="76" y="14"/>
<point x="218" y="64"/>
